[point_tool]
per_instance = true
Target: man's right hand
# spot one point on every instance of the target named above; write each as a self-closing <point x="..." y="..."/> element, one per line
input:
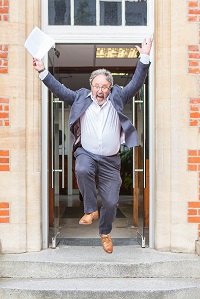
<point x="38" y="64"/>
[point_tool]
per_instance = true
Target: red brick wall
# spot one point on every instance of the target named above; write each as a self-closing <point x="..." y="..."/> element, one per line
<point x="4" y="10"/>
<point x="4" y="212"/>
<point x="3" y="59"/>
<point x="194" y="59"/>
<point x="4" y="112"/>
<point x="194" y="112"/>
<point x="193" y="11"/>
<point x="4" y="160"/>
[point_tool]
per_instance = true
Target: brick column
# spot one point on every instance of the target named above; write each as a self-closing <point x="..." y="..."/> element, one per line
<point x="20" y="130"/>
<point x="194" y="112"/>
<point x="4" y="115"/>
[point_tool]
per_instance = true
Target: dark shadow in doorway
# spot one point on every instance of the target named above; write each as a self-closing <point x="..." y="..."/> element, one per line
<point x="95" y="242"/>
<point x="77" y="212"/>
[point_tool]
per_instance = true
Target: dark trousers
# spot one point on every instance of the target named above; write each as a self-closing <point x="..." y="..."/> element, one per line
<point x="105" y="171"/>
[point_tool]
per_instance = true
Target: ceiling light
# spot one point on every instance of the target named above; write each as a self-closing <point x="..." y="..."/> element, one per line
<point x="120" y="74"/>
<point x="117" y="53"/>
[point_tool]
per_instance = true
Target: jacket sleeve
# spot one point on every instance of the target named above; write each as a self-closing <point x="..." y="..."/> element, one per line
<point x="130" y="90"/>
<point x="59" y="90"/>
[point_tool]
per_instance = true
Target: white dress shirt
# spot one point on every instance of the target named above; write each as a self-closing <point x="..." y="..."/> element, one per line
<point x="100" y="129"/>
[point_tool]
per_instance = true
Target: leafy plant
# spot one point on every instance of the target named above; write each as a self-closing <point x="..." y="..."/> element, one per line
<point x="127" y="171"/>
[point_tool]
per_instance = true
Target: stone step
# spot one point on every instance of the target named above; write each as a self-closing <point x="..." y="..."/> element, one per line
<point x="100" y="288"/>
<point x="93" y="262"/>
<point x="168" y="269"/>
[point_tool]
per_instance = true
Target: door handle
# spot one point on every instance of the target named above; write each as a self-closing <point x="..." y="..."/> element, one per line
<point x="134" y="147"/>
<point x="63" y="144"/>
<point x="52" y="144"/>
<point x="63" y="140"/>
<point x="140" y="101"/>
<point x="144" y="137"/>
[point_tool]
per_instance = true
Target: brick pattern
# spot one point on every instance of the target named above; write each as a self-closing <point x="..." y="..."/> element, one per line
<point x="3" y="59"/>
<point x="4" y="212"/>
<point x="194" y="11"/>
<point x="194" y="106"/>
<point x="4" y="10"/>
<point x="194" y="110"/>
<point x="194" y="59"/>
<point x="194" y="161"/>
<point x="194" y="212"/>
<point x="4" y="112"/>
<point x="4" y="160"/>
<point x="194" y="206"/>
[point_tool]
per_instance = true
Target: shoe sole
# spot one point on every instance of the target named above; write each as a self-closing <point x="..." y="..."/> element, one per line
<point x="88" y="223"/>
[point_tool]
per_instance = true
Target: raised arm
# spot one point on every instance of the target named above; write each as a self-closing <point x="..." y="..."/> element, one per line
<point x="58" y="89"/>
<point x="141" y="71"/>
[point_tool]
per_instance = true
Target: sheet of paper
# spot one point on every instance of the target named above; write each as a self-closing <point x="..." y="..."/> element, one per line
<point x="38" y="43"/>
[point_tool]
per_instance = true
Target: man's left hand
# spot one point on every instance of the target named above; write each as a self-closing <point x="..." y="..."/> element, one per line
<point x="146" y="46"/>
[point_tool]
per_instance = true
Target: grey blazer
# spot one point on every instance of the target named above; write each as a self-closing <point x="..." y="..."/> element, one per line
<point x="80" y="100"/>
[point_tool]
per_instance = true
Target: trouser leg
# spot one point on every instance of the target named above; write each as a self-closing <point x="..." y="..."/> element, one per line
<point x="85" y="170"/>
<point x="107" y="170"/>
<point x="109" y="183"/>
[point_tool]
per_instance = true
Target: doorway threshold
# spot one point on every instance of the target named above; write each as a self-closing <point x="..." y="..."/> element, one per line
<point x="95" y="241"/>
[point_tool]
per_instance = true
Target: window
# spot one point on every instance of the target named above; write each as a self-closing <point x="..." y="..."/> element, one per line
<point x="84" y="12"/>
<point x="136" y="13"/>
<point x="110" y="13"/>
<point x="59" y="12"/>
<point x="97" y="12"/>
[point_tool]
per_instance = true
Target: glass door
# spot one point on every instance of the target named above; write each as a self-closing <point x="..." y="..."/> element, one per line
<point x="140" y="168"/>
<point x="57" y="139"/>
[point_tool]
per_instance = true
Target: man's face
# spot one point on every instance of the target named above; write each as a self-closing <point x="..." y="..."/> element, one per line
<point x="100" y="88"/>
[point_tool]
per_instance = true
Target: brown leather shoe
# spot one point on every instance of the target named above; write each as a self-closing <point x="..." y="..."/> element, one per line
<point x="107" y="243"/>
<point x="88" y="218"/>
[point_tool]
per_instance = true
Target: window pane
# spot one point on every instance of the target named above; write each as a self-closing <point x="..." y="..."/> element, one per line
<point x="136" y="13"/>
<point x="59" y="12"/>
<point x="85" y="12"/>
<point x="110" y="13"/>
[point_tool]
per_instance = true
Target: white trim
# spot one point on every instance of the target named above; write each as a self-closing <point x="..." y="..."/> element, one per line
<point x="72" y="12"/>
<point x="45" y="167"/>
<point x="95" y="35"/>
<point x="151" y="140"/>
<point x="45" y="158"/>
<point x="97" y="12"/>
<point x="151" y="159"/>
<point x="123" y="13"/>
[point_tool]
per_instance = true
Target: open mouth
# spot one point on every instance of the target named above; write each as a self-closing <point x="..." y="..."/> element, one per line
<point x="100" y="97"/>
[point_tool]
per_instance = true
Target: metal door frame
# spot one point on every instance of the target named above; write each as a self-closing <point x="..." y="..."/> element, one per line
<point x="134" y="37"/>
<point x="45" y="158"/>
<point x="138" y="170"/>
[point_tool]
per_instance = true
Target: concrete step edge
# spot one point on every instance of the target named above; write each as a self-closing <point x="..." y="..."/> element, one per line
<point x="115" y="288"/>
<point x="30" y="269"/>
